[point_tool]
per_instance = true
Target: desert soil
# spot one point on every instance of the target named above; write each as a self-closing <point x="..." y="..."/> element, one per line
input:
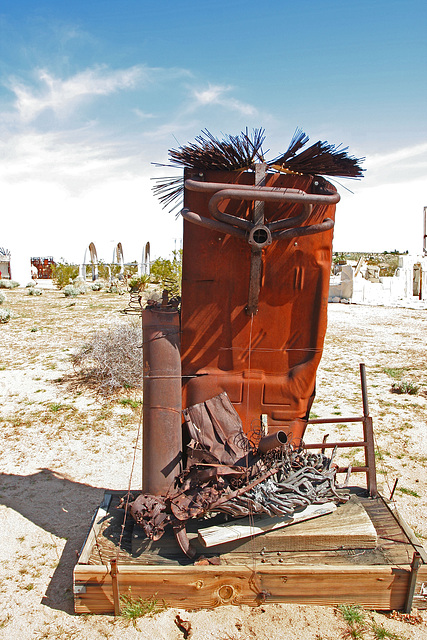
<point x="62" y="446"/>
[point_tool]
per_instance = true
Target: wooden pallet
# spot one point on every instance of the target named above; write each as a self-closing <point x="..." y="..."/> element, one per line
<point x="315" y="562"/>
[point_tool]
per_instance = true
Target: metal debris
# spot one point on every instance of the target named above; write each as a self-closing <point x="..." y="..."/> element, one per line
<point x="235" y="480"/>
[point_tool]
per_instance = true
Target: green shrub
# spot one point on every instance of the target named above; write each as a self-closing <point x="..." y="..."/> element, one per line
<point x="133" y="608"/>
<point x="80" y="285"/>
<point x="138" y="283"/>
<point x="32" y="291"/>
<point x="70" y="291"/>
<point x="5" y="315"/>
<point x="404" y="387"/>
<point x="8" y="284"/>
<point x="131" y="269"/>
<point x="63" y="272"/>
<point x="96" y="286"/>
<point x="168" y="273"/>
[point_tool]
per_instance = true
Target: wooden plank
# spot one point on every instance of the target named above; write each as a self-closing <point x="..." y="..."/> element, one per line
<point x="95" y="528"/>
<point x="407" y="531"/>
<point x="375" y="577"/>
<point x="245" y="528"/>
<point x="380" y="587"/>
<point x="420" y="596"/>
<point x="348" y="527"/>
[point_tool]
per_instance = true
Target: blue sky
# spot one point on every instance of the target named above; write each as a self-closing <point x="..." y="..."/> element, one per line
<point x="92" y="93"/>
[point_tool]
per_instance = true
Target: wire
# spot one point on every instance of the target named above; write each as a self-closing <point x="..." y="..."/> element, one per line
<point x="130" y="483"/>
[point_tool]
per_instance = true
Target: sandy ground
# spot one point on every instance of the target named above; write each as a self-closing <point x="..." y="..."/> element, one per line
<point x="62" y="447"/>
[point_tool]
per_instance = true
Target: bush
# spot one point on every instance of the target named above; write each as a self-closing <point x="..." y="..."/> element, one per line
<point x="404" y="387"/>
<point x="5" y="315"/>
<point x="63" y="273"/>
<point x="2" y="298"/>
<point x="8" y="284"/>
<point x="138" y="283"/>
<point x="70" y="291"/>
<point x="168" y="273"/>
<point x="96" y="286"/>
<point x="80" y="285"/>
<point x="112" y="359"/>
<point x="32" y="291"/>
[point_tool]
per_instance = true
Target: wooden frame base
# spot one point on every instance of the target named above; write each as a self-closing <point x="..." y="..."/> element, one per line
<point x="385" y="577"/>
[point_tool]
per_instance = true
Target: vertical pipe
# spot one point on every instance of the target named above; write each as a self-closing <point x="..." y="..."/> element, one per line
<point x="364" y="389"/>
<point x="368" y="436"/>
<point x="162" y="406"/>
<point x="415" y="565"/>
<point x="115" y="584"/>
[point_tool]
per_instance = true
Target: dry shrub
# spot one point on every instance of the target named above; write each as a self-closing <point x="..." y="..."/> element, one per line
<point x="112" y="359"/>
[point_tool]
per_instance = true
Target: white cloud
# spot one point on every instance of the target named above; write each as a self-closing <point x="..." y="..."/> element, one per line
<point x="142" y="115"/>
<point x="217" y="95"/>
<point x="72" y="159"/>
<point x="406" y="153"/>
<point x="61" y="95"/>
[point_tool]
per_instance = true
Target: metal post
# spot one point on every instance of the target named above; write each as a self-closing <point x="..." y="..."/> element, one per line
<point x="368" y="436"/>
<point x="256" y="254"/>
<point x="364" y="389"/>
<point x="415" y="565"/>
<point x="162" y="419"/>
<point x="115" y="584"/>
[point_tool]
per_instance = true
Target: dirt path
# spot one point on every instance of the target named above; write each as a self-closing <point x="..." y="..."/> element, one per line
<point x="62" y="446"/>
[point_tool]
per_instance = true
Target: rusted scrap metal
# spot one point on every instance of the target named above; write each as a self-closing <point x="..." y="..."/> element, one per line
<point x="291" y="482"/>
<point x="226" y="475"/>
<point x="216" y="432"/>
<point x="162" y="398"/>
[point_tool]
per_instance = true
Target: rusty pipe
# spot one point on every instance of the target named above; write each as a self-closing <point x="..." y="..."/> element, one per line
<point x="198" y="185"/>
<point x="223" y="191"/>
<point x="281" y="234"/>
<point x="268" y="194"/>
<point x="326" y="225"/>
<point x="295" y="221"/>
<point x="222" y="227"/>
<point x="272" y="441"/>
<point x="162" y="404"/>
<point x="227" y="218"/>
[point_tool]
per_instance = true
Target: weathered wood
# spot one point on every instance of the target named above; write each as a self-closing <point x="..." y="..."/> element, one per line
<point x="407" y="531"/>
<point x="415" y="565"/>
<point x="378" y="587"/>
<point x="246" y="528"/>
<point x="115" y="586"/>
<point x="419" y="601"/>
<point x="377" y="577"/>
<point x="95" y="528"/>
<point x="347" y="527"/>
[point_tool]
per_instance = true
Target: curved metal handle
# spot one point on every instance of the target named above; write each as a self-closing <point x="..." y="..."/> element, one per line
<point x="239" y="227"/>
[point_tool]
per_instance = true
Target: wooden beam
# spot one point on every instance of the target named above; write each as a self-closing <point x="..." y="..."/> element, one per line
<point x="243" y="528"/>
<point x="407" y="530"/>
<point x="95" y="527"/>
<point x="375" y="587"/>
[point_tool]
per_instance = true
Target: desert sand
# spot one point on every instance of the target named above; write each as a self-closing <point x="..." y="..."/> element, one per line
<point x="63" y="445"/>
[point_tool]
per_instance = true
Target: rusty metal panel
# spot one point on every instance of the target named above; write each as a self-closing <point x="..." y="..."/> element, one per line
<point x="266" y="362"/>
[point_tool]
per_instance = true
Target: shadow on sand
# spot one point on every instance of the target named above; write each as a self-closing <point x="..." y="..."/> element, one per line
<point x="62" y="507"/>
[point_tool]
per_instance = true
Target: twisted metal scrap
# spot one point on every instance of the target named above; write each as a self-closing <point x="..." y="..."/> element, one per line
<point x="300" y="480"/>
<point x="275" y="484"/>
